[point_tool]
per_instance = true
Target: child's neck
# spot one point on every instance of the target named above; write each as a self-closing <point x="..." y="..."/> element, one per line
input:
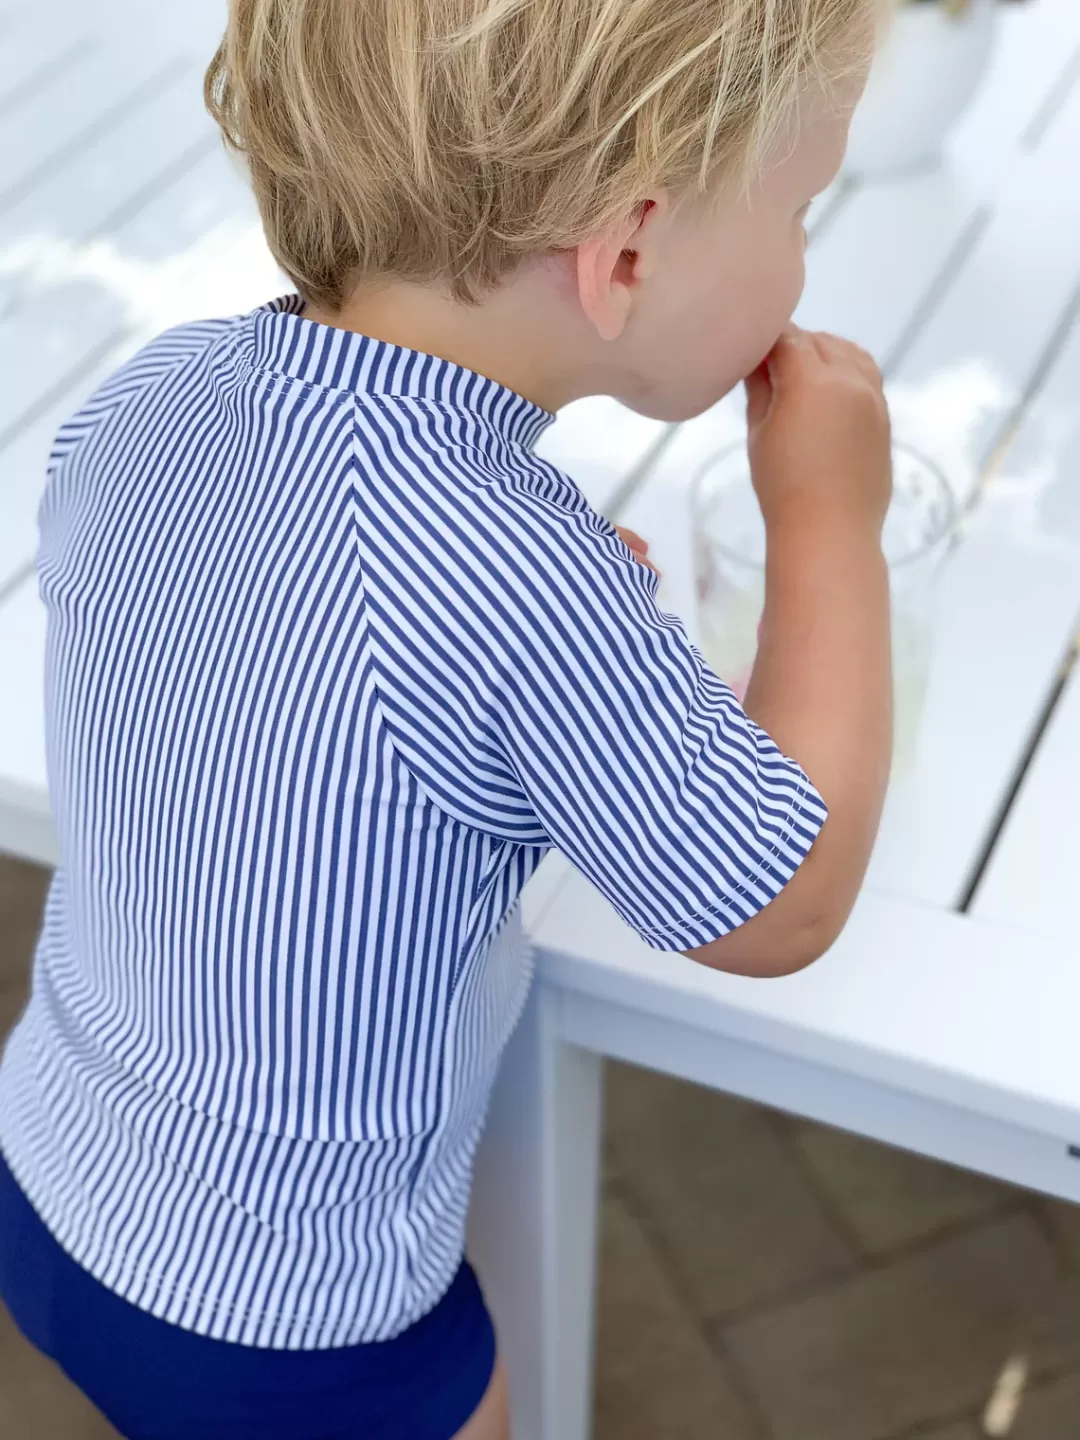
<point x="518" y="335"/>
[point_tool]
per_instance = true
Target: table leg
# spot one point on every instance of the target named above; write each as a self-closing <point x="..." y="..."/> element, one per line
<point x="532" y="1225"/>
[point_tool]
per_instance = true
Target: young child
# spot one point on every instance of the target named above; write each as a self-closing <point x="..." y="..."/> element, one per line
<point x="334" y="660"/>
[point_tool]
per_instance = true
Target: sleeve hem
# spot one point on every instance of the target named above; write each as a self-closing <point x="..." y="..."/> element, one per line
<point x="779" y="862"/>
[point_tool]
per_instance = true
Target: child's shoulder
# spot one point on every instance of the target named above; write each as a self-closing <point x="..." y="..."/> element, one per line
<point x="135" y="376"/>
<point x="553" y="506"/>
<point x="477" y="493"/>
<point x="508" y="534"/>
<point x="170" y="348"/>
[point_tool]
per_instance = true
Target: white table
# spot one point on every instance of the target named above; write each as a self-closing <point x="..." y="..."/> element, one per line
<point x="944" y="1020"/>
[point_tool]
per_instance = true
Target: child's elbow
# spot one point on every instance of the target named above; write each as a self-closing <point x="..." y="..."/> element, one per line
<point x="804" y="948"/>
<point x="763" y="955"/>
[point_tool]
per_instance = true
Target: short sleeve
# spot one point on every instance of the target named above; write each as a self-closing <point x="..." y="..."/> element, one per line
<point x="536" y="691"/>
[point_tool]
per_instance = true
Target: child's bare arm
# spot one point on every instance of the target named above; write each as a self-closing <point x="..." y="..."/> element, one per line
<point x="821" y="688"/>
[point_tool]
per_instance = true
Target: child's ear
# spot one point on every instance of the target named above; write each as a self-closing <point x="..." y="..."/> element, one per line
<point x="611" y="267"/>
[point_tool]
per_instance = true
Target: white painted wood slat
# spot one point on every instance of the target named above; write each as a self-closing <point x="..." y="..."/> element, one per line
<point x="97" y="95"/>
<point x="118" y="173"/>
<point x="970" y="370"/>
<point x="1035" y="489"/>
<point x="35" y="56"/>
<point x="1008" y="612"/>
<point x="1037" y="45"/>
<point x="1032" y="879"/>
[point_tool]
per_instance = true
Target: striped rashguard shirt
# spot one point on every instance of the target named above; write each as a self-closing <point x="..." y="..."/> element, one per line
<point x="333" y="660"/>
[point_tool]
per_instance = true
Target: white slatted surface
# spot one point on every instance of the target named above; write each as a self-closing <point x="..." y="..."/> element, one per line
<point x="25" y="823"/>
<point x="1033" y="67"/>
<point x="1036" y="487"/>
<point x="37" y="137"/>
<point x="969" y="371"/>
<point x="33" y="58"/>
<point x="1034" y="878"/>
<point x="114" y="177"/>
<point x="1008" y="612"/>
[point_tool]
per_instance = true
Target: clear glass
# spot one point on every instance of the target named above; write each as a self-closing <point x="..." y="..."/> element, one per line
<point x="729" y="566"/>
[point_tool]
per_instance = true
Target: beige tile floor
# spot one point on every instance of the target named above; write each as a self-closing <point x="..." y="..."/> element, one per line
<point x="761" y="1279"/>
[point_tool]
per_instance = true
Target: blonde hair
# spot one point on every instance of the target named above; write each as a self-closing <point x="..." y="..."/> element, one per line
<point x="446" y="139"/>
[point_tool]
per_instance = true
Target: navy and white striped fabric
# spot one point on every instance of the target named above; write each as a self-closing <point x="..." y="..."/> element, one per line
<point x="333" y="660"/>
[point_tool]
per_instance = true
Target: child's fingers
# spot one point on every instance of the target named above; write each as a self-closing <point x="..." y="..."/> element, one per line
<point x="633" y="539"/>
<point x="638" y="546"/>
<point x="786" y="360"/>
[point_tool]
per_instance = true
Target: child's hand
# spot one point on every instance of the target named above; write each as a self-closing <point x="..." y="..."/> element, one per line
<point x="822" y="681"/>
<point x="819" y="441"/>
<point x="640" y="548"/>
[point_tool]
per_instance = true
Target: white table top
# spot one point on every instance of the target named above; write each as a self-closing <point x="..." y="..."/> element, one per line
<point x="119" y="215"/>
